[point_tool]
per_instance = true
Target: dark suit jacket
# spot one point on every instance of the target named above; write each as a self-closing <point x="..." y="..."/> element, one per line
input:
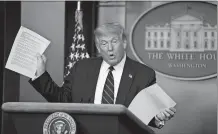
<point x="81" y="84"/>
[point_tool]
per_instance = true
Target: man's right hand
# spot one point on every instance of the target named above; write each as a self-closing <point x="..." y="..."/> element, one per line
<point x="41" y="61"/>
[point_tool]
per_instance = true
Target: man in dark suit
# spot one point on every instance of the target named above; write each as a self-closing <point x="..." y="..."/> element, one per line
<point x="112" y="78"/>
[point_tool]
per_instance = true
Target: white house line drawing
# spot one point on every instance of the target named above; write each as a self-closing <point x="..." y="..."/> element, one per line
<point x="184" y="33"/>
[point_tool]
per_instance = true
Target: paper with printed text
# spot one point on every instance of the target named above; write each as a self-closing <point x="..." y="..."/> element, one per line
<point x="22" y="58"/>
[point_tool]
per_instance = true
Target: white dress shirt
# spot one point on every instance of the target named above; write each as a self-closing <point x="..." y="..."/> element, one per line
<point x="104" y="70"/>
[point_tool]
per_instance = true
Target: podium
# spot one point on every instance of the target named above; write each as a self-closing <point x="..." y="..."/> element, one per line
<point x="30" y="118"/>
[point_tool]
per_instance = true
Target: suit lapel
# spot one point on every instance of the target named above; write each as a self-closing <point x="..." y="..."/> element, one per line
<point x="125" y="82"/>
<point x="92" y="79"/>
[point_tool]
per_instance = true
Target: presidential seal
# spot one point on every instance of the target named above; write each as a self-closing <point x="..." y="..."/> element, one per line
<point x="59" y="123"/>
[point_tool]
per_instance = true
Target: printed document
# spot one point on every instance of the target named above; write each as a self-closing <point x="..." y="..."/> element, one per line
<point x="22" y="58"/>
<point x="150" y="102"/>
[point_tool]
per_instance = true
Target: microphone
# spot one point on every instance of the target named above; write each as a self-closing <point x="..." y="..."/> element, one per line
<point x="81" y="100"/>
<point x="91" y="99"/>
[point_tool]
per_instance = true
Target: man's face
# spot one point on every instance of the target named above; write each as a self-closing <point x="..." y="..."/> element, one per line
<point x="112" y="48"/>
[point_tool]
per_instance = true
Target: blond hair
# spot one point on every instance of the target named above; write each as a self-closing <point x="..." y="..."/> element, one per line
<point x="110" y="28"/>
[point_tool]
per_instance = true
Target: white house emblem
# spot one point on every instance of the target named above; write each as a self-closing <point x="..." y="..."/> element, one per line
<point x="59" y="123"/>
<point x="177" y="39"/>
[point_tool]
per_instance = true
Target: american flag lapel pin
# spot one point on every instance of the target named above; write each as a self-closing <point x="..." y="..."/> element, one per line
<point x="130" y="76"/>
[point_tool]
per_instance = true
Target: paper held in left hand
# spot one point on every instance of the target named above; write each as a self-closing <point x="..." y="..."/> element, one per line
<point x="22" y="58"/>
<point x="149" y="102"/>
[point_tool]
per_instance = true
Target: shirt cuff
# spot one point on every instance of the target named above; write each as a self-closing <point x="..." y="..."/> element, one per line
<point x="35" y="77"/>
<point x="159" y="123"/>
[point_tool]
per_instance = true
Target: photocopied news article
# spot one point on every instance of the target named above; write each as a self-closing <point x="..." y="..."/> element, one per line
<point x="149" y="102"/>
<point x="22" y="58"/>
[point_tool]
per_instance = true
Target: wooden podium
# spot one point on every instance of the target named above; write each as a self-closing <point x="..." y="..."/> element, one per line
<point x="29" y="118"/>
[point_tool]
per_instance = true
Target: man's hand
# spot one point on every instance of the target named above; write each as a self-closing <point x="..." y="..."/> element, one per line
<point x="41" y="61"/>
<point x="166" y="115"/>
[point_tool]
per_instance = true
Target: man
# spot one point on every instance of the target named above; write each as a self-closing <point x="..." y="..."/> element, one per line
<point x="112" y="78"/>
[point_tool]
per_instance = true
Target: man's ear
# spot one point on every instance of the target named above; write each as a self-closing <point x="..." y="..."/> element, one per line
<point x="97" y="46"/>
<point x="124" y="44"/>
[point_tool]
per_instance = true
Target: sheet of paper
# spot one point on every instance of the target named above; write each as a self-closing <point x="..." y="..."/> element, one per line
<point x="149" y="102"/>
<point x="22" y="58"/>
